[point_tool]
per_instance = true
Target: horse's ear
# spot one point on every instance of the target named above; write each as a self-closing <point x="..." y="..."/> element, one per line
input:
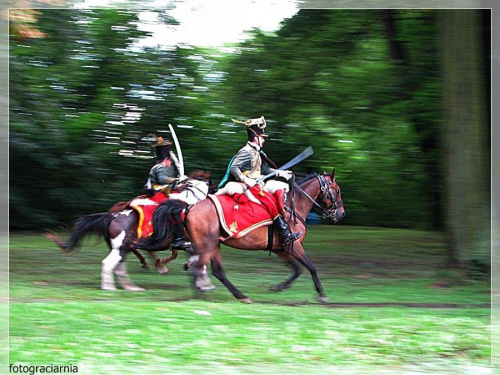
<point x="333" y="173"/>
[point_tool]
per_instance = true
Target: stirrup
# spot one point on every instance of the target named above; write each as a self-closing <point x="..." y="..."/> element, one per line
<point x="291" y="238"/>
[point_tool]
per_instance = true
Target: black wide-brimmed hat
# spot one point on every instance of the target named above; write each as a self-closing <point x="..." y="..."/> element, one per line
<point x="255" y="127"/>
<point x="162" y="147"/>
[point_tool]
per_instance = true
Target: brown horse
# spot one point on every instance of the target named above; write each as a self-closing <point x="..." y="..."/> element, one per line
<point x="315" y="190"/>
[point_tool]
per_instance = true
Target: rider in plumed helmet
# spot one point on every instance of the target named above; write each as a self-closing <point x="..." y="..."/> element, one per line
<point x="250" y="163"/>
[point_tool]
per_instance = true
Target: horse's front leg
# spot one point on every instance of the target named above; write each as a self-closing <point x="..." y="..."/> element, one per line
<point x="297" y="271"/>
<point x="141" y="258"/>
<point x="219" y="273"/>
<point x="300" y="255"/>
<point x="159" y="265"/>
<point x="162" y="262"/>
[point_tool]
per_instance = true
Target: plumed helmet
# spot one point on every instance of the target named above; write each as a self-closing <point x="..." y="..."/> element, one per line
<point x="255" y="127"/>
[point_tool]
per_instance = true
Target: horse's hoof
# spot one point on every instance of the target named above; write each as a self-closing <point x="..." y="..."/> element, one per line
<point x="206" y="288"/>
<point x="135" y="289"/>
<point x="322" y="299"/>
<point x="204" y="284"/>
<point x="246" y="300"/>
<point x="277" y="288"/>
<point x="145" y="266"/>
<point x="163" y="271"/>
<point x="108" y="288"/>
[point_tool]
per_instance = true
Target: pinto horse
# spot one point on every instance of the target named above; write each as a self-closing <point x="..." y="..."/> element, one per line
<point x="192" y="195"/>
<point x="315" y="190"/>
<point x="119" y="229"/>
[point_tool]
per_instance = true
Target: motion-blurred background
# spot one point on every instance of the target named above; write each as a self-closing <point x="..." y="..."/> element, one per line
<point x="396" y="100"/>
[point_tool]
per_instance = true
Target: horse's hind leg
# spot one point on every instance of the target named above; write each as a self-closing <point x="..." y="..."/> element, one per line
<point x="202" y="281"/>
<point x="297" y="271"/>
<point x="108" y="266"/>
<point x="219" y="273"/>
<point x="124" y="279"/>
<point x="114" y="263"/>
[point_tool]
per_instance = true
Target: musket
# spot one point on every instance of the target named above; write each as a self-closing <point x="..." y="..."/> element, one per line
<point x="179" y="151"/>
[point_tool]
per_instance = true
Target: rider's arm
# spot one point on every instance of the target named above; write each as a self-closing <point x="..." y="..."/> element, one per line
<point x="242" y="162"/>
<point x="266" y="169"/>
<point x="165" y="176"/>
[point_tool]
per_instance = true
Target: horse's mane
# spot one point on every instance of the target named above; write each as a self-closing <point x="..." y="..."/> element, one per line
<point x="307" y="177"/>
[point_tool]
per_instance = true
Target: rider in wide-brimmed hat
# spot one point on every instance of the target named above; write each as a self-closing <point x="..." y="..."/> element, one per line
<point x="162" y="179"/>
<point x="162" y="175"/>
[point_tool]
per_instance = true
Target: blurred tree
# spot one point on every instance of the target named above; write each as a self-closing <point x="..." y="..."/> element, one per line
<point x="22" y="24"/>
<point x="61" y="88"/>
<point x="413" y="40"/>
<point x="466" y="135"/>
<point x="363" y="87"/>
<point x="82" y="98"/>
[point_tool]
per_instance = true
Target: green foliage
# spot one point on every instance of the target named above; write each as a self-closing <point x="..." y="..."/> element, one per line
<point x="333" y="81"/>
<point x="323" y="78"/>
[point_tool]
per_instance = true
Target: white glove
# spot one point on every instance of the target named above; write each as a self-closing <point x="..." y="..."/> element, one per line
<point x="285" y="174"/>
<point x="250" y="181"/>
<point x="183" y="178"/>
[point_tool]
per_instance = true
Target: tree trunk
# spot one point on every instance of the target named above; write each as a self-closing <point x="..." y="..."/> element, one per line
<point x="466" y="138"/>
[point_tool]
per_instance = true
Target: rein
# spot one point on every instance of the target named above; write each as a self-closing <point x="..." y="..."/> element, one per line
<point x="192" y="189"/>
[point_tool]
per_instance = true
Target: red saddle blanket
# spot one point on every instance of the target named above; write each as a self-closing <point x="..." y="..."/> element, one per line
<point x="239" y="216"/>
<point x="145" y="211"/>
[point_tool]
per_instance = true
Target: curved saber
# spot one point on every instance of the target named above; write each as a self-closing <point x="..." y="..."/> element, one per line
<point x="302" y="156"/>
<point x="178" y="147"/>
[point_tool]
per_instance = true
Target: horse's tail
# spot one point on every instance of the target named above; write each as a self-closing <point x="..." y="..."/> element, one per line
<point x="165" y="218"/>
<point x="89" y="224"/>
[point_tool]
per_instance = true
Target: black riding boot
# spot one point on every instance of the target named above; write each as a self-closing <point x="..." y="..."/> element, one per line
<point x="284" y="229"/>
<point x="179" y="240"/>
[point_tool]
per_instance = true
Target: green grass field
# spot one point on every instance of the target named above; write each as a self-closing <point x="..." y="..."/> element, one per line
<point x="392" y="309"/>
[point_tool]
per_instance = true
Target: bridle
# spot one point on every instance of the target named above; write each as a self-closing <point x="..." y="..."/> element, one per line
<point x="329" y="212"/>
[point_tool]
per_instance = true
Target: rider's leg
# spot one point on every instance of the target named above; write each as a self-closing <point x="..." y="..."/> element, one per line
<point x="179" y="239"/>
<point x="279" y="222"/>
<point x="284" y="230"/>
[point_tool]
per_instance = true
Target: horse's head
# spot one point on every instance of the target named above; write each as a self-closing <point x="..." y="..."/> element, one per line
<point x="200" y="175"/>
<point x="330" y="197"/>
<point x="193" y="189"/>
<point x="205" y="177"/>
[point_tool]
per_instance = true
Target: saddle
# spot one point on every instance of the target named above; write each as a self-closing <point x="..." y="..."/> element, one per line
<point x="145" y="206"/>
<point x="239" y="214"/>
